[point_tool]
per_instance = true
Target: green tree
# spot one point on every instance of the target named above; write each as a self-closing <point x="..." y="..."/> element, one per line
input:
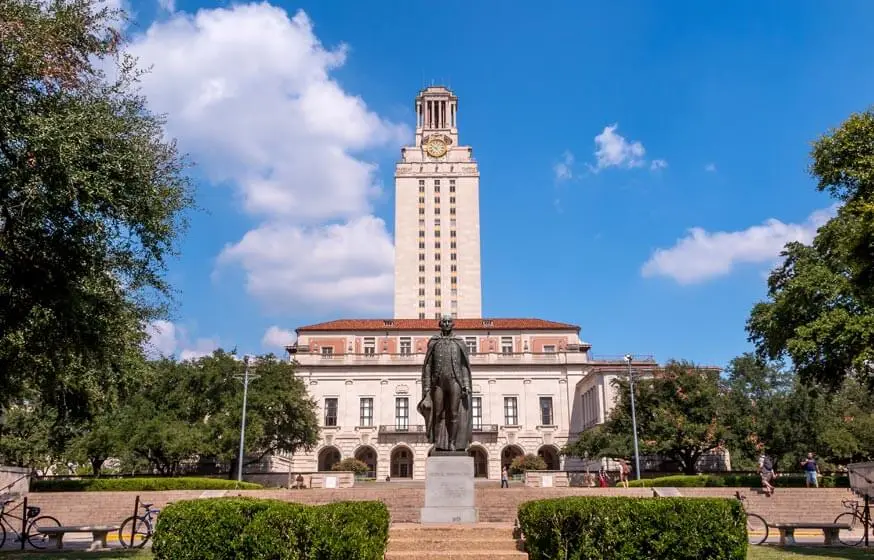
<point x="680" y="416"/>
<point x="351" y="464"/>
<point x="529" y="462"/>
<point x="820" y="306"/>
<point x="92" y="201"/>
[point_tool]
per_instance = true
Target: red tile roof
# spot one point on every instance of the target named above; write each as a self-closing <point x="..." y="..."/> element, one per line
<point x="433" y="325"/>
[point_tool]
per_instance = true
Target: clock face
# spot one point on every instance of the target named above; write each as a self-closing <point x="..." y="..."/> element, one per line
<point x="436" y="148"/>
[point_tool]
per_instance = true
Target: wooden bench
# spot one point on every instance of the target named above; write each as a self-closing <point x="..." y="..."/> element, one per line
<point x="99" y="533"/>
<point x="829" y="531"/>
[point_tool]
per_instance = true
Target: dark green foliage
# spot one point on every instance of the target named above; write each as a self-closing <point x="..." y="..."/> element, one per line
<point x="680" y="416"/>
<point x="820" y="306"/>
<point x="738" y="481"/>
<point x="631" y="529"/>
<point x="93" y="200"/>
<point x="230" y="528"/>
<point x="138" y="484"/>
<point x="351" y="464"/>
<point x="529" y="462"/>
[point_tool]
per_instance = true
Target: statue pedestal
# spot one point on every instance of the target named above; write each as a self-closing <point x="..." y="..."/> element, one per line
<point x="449" y="493"/>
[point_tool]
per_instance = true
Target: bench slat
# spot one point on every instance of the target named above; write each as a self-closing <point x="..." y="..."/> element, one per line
<point x="82" y="529"/>
<point x="809" y="525"/>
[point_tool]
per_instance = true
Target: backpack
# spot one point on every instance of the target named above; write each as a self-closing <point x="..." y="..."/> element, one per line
<point x="767" y="464"/>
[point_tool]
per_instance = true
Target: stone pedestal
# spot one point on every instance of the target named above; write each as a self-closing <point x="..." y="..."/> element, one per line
<point x="449" y="493"/>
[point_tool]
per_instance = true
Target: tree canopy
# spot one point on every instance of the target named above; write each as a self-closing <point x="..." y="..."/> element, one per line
<point x="819" y="312"/>
<point x="92" y="202"/>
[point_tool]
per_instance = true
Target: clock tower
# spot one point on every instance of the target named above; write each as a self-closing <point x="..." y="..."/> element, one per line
<point x="437" y="231"/>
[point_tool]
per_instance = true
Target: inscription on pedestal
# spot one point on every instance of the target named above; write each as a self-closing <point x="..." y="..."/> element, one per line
<point x="449" y="490"/>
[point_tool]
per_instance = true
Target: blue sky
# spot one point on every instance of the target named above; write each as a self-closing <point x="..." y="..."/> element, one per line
<point x="605" y="132"/>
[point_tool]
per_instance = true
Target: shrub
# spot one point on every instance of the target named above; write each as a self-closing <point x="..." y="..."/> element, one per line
<point x="138" y="484"/>
<point x="227" y="528"/>
<point x="792" y="480"/>
<point x="630" y="528"/>
<point x="530" y="462"/>
<point x="350" y="464"/>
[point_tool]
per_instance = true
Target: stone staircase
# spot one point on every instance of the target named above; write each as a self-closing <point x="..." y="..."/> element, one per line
<point x="481" y="541"/>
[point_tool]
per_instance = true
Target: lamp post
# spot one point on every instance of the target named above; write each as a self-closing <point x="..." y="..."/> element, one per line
<point x="628" y="358"/>
<point x="246" y="378"/>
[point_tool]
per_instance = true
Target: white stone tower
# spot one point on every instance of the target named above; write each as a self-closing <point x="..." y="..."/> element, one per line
<point x="437" y="239"/>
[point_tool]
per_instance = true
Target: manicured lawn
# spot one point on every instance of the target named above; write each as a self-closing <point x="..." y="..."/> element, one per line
<point x="807" y="553"/>
<point x="61" y="555"/>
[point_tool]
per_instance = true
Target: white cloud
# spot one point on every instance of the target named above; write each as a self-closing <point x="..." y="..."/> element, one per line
<point x="564" y="169"/>
<point x="167" y="5"/>
<point x="613" y="150"/>
<point x="657" y="164"/>
<point x="710" y="168"/>
<point x="703" y="255"/>
<point x="346" y="267"/>
<point x="168" y="339"/>
<point x="277" y="337"/>
<point x="249" y="93"/>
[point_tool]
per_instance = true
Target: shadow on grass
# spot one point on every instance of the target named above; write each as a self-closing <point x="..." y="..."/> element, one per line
<point x="76" y="555"/>
<point x="808" y="553"/>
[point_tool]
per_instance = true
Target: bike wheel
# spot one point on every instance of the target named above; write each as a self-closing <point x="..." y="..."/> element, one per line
<point x="34" y="537"/>
<point x="853" y="536"/>
<point x="757" y="528"/>
<point x="134" y="532"/>
<point x="2" y="535"/>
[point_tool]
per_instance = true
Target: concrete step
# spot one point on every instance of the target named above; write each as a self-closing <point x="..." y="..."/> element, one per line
<point x="445" y="545"/>
<point x="457" y="555"/>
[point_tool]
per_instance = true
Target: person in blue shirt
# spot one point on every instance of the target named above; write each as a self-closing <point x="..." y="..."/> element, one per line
<point x="811" y="469"/>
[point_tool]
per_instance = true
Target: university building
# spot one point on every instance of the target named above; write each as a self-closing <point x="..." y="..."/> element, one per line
<point x="535" y="383"/>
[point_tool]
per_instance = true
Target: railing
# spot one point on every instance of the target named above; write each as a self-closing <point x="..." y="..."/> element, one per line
<point x="485" y="429"/>
<point x="476" y="358"/>
<point x="389" y="429"/>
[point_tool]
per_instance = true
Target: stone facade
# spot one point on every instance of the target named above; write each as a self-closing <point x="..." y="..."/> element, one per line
<point x="529" y="378"/>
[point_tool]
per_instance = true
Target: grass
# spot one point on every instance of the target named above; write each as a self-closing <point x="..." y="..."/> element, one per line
<point x="808" y="553"/>
<point x="76" y="555"/>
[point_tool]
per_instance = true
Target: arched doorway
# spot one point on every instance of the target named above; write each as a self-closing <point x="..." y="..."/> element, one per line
<point x="549" y="454"/>
<point x="480" y="461"/>
<point x="367" y="455"/>
<point x="509" y="453"/>
<point x="328" y="457"/>
<point x="402" y="462"/>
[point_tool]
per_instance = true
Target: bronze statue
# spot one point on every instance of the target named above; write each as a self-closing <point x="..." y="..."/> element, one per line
<point x="446" y="391"/>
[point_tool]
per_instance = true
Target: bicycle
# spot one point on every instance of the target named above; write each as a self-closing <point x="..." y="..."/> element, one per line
<point x="136" y="530"/>
<point x="31" y="532"/>
<point x="757" y="527"/>
<point x="855" y="518"/>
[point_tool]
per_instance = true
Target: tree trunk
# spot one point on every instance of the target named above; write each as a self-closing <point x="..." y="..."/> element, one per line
<point x="96" y="465"/>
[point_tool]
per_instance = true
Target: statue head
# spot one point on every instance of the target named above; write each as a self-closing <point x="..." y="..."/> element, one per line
<point x="446" y="324"/>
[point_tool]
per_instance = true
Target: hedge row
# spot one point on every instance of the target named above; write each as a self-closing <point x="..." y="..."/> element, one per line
<point x="137" y="484"/>
<point x="231" y="528"/>
<point x="739" y="481"/>
<point x="579" y="528"/>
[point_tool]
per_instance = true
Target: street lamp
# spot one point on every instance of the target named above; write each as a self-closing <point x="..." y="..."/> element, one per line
<point x="628" y="358"/>
<point x="246" y="378"/>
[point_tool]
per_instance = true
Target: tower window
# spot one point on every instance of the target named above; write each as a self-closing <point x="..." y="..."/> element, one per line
<point x="455" y="280"/>
<point x="436" y="279"/>
<point x="421" y="211"/>
<point x="421" y="268"/>
<point x="436" y="256"/>
<point x="454" y="268"/>
<point x="422" y="189"/>
<point x="452" y="222"/>
<point x="421" y="256"/>
<point x="451" y="210"/>
<point x="421" y="244"/>
<point x="437" y="316"/>
<point x="422" y="233"/>
<point x="421" y="200"/>
<point x="453" y="256"/>
<point x="421" y="223"/>
<point x="421" y="279"/>
<point x="437" y="210"/>
<point x="436" y="268"/>
<point x="422" y="182"/>
<point x="436" y="244"/>
<point x="436" y="186"/>
<point x="421" y="315"/>
<point x="421" y="303"/>
<point x="438" y="303"/>
<point x="422" y="292"/>
<point x="451" y="233"/>
<point x="436" y="182"/>
<point x="452" y="245"/>
<point x="436" y="233"/>
<point x="451" y="200"/>
<point x="436" y="222"/>
<point x="436" y="200"/>
<point x="437" y="291"/>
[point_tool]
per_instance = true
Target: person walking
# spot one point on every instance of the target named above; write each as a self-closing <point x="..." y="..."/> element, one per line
<point x="811" y="471"/>
<point x="766" y="472"/>
<point x="624" y="471"/>
<point x="505" y="479"/>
